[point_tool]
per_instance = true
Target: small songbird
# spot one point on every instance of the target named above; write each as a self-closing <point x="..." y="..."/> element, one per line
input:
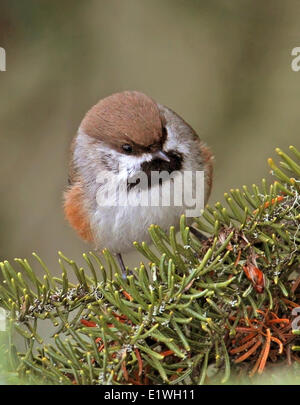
<point x="121" y="135"/>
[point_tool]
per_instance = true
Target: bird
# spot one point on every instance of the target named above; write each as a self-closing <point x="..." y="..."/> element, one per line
<point x="124" y="134"/>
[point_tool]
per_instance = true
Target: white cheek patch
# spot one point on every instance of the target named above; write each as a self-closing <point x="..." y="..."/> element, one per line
<point x="123" y="165"/>
<point x="132" y="164"/>
<point x="126" y="162"/>
<point x="126" y="165"/>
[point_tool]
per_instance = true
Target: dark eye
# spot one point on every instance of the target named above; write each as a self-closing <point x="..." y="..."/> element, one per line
<point x="127" y="148"/>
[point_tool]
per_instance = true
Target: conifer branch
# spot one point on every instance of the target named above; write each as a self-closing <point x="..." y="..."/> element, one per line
<point x="222" y="304"/>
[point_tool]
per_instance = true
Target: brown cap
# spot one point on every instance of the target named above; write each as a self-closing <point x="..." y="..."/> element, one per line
<point x="129" y="117"/>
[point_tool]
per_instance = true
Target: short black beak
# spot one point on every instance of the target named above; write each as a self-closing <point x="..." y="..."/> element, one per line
<point x="161" y="155"/>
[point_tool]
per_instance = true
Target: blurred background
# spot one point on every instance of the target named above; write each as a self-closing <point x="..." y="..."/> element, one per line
<point x="224" y="66"/>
